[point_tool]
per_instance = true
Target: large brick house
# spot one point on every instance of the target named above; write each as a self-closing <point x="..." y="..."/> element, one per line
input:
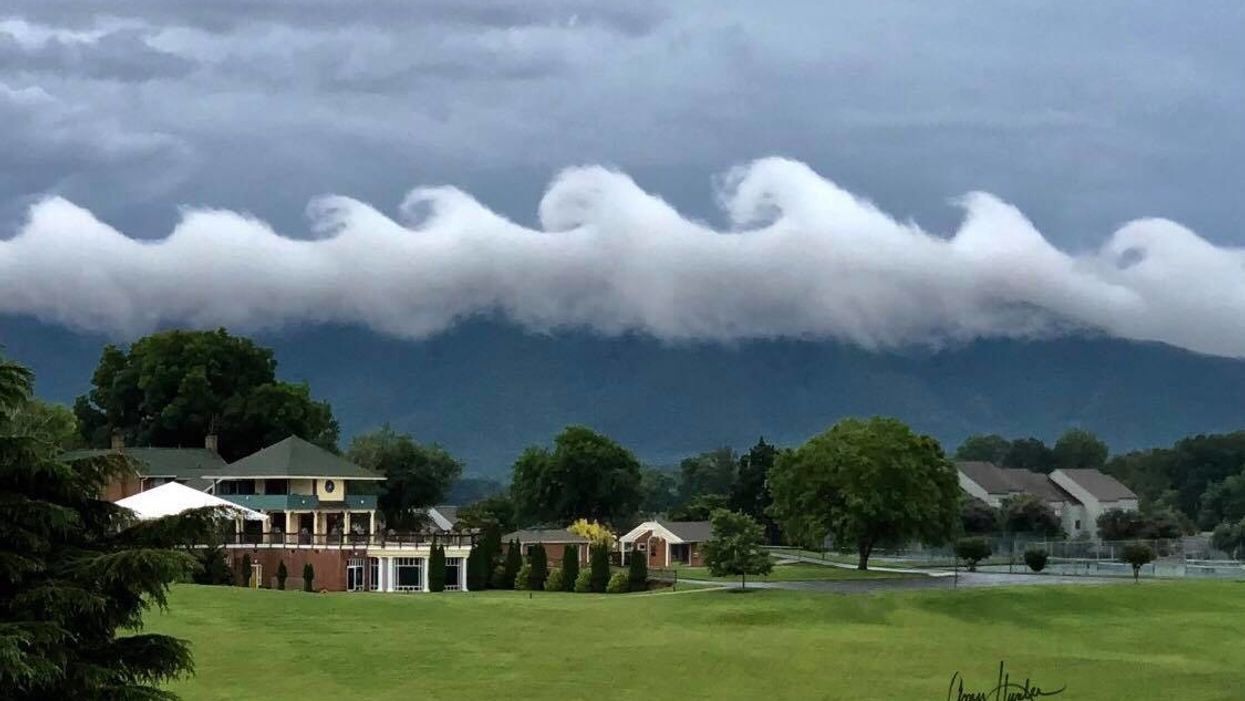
<point x="321" y="510"/>
<point x="665" y="543"/>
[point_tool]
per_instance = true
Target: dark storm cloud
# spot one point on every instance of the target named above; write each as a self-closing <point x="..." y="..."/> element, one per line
<point x="1086" y="116"/>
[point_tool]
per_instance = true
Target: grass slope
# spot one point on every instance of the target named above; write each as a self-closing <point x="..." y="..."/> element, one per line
<point x="1159" y="640"/>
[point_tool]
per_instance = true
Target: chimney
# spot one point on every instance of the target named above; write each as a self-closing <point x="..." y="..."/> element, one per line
<point x="118" y="440"/>
<point x="210" y="442"/>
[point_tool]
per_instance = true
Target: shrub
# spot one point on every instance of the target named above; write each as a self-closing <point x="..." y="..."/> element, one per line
<point x="538" y="567"/>
<point x="618" y="584"/>
<point x="554" y="581"/>
<point x="498" y="580"/>
<point x="477" y="572"/>
<point x="637" y="572"/>
<point x="570" y="567"/>
<point x="282" y="573"/>
<point x="523" y="579"/>
<point x="583" y="583"/>
<point x="1137" y="555"/>
<point x="436" y="568"/>
<point x="1035" y="558"/>
<point x="213" y="567"/>
<point x="972" y="551"/>
<point x="514" y="562"/>
<point x="309" y="577"/>
<point x="246" y="570"/>
<point x="599" y="568"/>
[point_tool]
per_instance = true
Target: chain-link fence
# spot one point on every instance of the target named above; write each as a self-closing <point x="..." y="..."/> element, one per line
<point x="1178" y="557"/>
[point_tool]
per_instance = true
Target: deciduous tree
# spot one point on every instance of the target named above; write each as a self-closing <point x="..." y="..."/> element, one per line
<point x="175" y="387"/>
<point x="984" y="448"/>
<point x="1079" y="449"/>
<point x="972" y="550"/>
<point x="416" y="476"/>
<point x="585" y="475"/>
<point x="1029" y="514"/>
<point x="735" y="548"/>
<point x="867" y="483"/>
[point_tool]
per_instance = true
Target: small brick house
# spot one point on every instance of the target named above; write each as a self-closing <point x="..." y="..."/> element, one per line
<point x="555" y="541"/>
<point x="665" y="543"/>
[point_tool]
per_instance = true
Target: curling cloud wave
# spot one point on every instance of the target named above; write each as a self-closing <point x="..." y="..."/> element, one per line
<point x="802" y="258"/>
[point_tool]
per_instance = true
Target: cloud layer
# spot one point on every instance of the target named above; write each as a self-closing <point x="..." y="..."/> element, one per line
<point x="801" y="257"/>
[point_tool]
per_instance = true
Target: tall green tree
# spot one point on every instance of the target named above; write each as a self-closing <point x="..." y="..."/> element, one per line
<point x="1030" y="454"/>
<point x="1223" y="501"/>
<point x="750" y="493"/>
<point x="977" y="517"/>
<point x="511" y="566"/>
<point x="54" y="424"/>
<point x="708" y="473"/>
<point x="77" y="573"/>
<point x="570" y="567"/>
<point x="599" y="566"/>
<point x="867" y="483"/>
<point x="658" y="491"/>
<point x="1079" y="449"/>
<point x="175" y="387"/>
<point x="1030" y="514"/>
<point x="416" y="476"/>
<point x="586" y="475"/>
<point x="984" y="448"/>
<point x="496" y="510"/>
<point x="735" y="548"/>
<point x="436" y="568"/>
<point x="699" y="508"/>
<point x="538" y="567"/>
<point x="637" y="570"/>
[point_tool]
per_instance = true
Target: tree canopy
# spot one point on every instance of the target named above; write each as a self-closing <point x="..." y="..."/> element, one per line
<point x="984" y="448"/>
<point x="708" y="473"/>
<point x="586" y="475"/>
<point x="867" y="483"/>
<point x="173" y="388"/>
<point x="1029" y="514"/>
<point x="77" y="573"/>
<point x="416" y="476"/>
<point x="735" y="548"/>
<point x="1079" y="449"/>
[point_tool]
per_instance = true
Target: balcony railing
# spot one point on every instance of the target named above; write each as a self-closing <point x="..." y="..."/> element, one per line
<point x="278" y="539"/>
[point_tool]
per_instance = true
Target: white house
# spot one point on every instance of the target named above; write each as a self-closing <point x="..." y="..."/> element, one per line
<point x="993" y="484"/>
<point x="1098" y="492"/>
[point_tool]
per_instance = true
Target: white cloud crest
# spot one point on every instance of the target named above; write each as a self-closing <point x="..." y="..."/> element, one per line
<point x="802" y="258"/>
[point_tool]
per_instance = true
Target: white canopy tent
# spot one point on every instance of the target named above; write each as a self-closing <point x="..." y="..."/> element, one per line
<point x="174" y="498"/>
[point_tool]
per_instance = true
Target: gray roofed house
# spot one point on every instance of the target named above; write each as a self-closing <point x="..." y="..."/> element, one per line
<point x="531" y="536"/>
<point x="157" y="466"/>
<point x="295" y="458"/>
<point x="1102" y="486"/>
<point x="689" y="531"/>
<point x="990" y="478"/>
<point x="664" y="543"/>
<point x="1078" y="497"/>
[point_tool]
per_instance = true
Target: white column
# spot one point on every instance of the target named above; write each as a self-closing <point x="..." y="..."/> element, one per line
<point x="372" y="526"/>
<point x="423" y="574"/>
<point x="462" y="573"/>
<point x="315" y="525"/>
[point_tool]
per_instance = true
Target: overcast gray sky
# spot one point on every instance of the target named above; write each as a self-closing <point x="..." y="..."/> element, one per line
<point x="1085" y="116"/>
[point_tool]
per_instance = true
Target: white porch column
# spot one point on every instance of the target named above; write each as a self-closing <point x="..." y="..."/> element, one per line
<point x="315" y="525"/>
<point x="462" y="574"/>
<point x="291" y="527"/>
<point x="423" y="574"/>
<point x="346" y="524"/>
<point x="372" y="526"/>
<point x="667" y="553"/>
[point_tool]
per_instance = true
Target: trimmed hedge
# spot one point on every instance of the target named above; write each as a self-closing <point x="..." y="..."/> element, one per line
<point x="619" y="584"/>
<point x="554" y="581"/>
<point x="583" y="583"/>
<point x="1035" y="558"/>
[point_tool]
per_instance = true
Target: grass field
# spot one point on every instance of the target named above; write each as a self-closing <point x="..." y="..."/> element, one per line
<point x="1153" y="641"/>
<point x="797" y="572"/>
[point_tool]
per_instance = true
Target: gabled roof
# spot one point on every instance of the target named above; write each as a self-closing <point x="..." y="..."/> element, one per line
<point x="1101" y="486"/>
<point x="988" y="476"/>
<point x="1038" y="484"/>
<point x="294" y="458"/>
<point x="173" y="498"/>
<point x="189" y="465"/>
<point x="544" y="535"/>
<point x="689" y="531"/>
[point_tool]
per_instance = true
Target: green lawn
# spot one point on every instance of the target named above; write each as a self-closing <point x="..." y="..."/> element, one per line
<point x="1153" y="641"/>
<point x="797" y="572"/>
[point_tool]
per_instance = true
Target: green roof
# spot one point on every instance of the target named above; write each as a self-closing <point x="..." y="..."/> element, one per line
<point x="294" y="458"/>
<point x="189" y="465"/>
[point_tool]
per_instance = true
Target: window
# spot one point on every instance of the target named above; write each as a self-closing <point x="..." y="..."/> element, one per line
<point x="373" y="573"/>
<point x="276" y="486"/>
<point x="1078" y="524"/>
<point x="238" y="487"/>
<point x="452" y="571"/>
<point x="408" y="573"/>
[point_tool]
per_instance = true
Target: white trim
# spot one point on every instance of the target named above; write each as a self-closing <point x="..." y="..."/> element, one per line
<point x="654" y="526"/>
<point x="291" y="477"/>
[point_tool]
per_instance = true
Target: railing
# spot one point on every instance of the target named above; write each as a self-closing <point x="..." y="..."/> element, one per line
<point x="279" y="539"/>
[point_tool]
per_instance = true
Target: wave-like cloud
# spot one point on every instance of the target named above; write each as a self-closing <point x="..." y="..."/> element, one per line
<point x="802" y="258"/>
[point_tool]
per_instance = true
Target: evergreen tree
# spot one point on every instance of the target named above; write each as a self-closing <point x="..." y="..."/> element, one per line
<point x="246" y="570"/>
<point x="309" y="577"/>
<point x="77" y="573"/>
<point x="213" y="567"/>
<point x="436" y="568"/>
<point x="514" y="563"/>
<point x="599" y="564"/>
<point x="637" y="574"/>
<point x="570" y="567"/>
<point x="282" y="574"/>
<point x="538" y="559"/>
<point x="490" y="544"/>
<point x="477" y="572"/>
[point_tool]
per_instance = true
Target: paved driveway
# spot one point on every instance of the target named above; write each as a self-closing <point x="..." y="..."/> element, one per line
<point x="965" y="580"/>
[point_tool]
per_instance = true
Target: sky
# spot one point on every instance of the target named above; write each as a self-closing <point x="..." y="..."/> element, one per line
<point x="885" y="173"/>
